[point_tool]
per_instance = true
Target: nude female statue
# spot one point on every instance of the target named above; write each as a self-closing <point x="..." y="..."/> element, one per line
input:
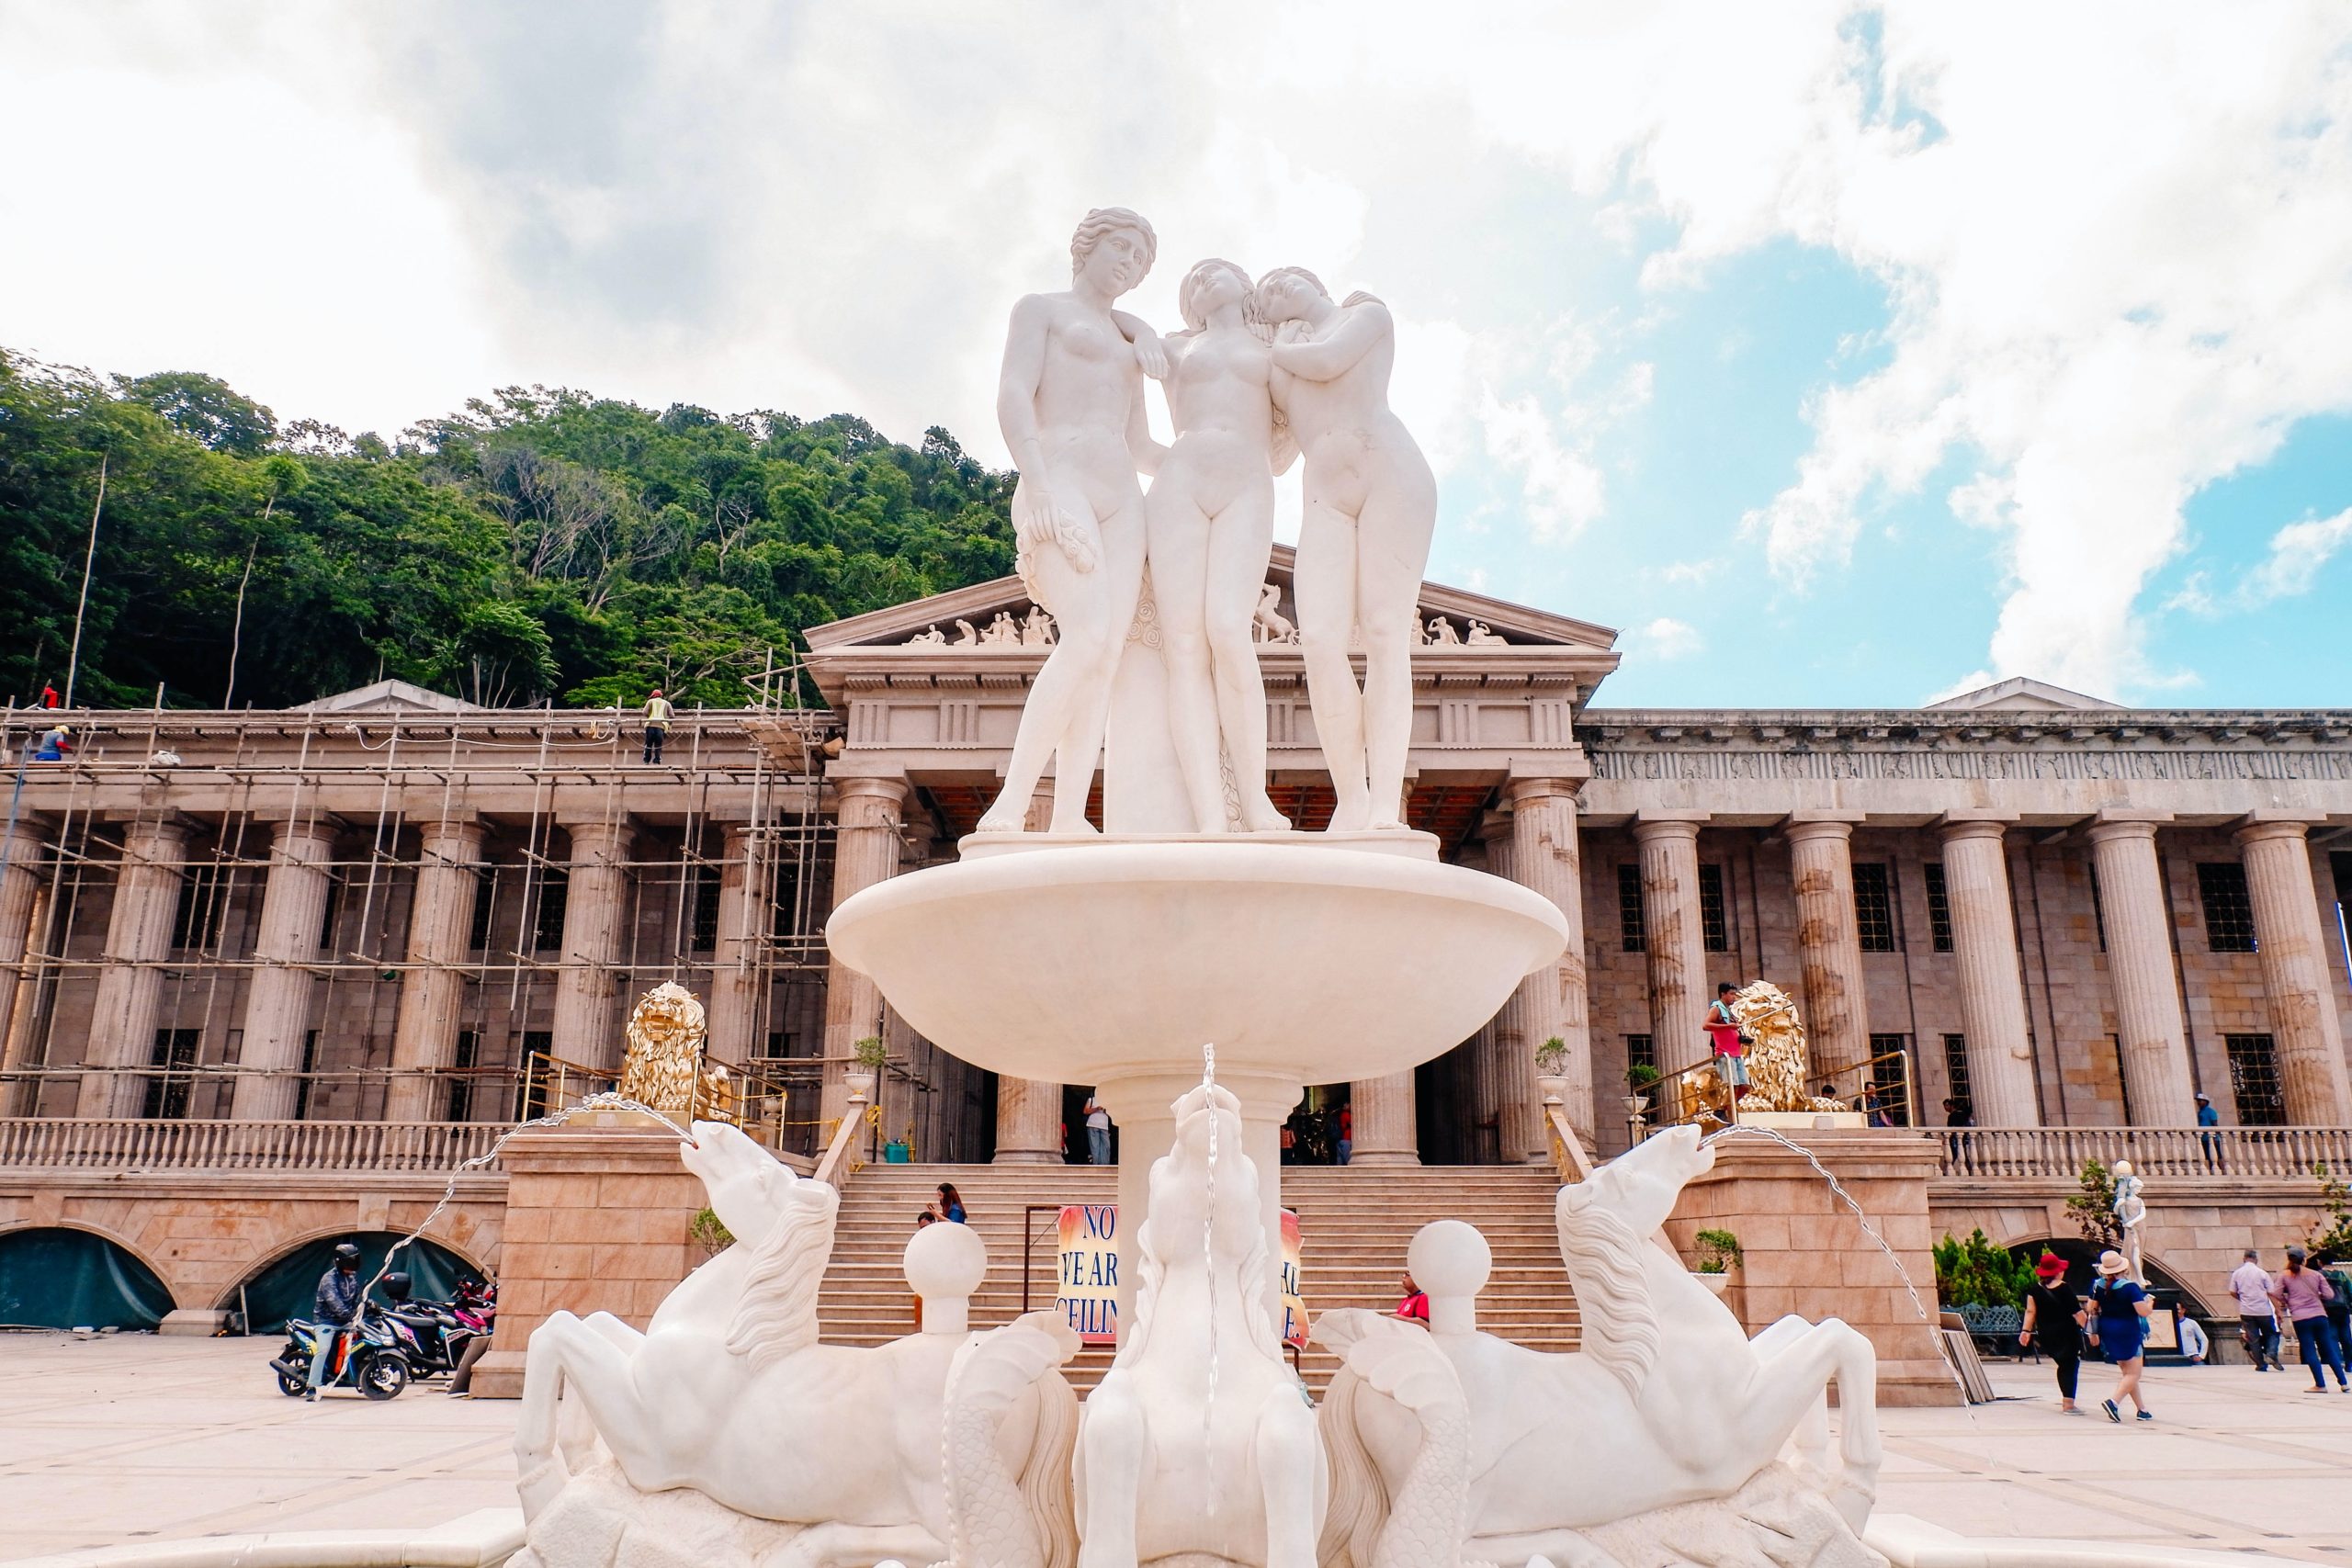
<point x="1210" y="524"/>
<point x="1070" y="401"/>
<point x="1364" y="540"/>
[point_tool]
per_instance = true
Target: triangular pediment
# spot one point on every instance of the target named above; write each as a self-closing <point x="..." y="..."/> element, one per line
<point x="997" y="614"/>
<point x="2020" y="694"/>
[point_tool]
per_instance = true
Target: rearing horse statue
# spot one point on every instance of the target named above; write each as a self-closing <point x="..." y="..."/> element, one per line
<point x="1198" y="1445"/>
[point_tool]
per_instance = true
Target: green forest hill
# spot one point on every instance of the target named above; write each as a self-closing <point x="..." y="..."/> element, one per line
<point x="541" y="545"/>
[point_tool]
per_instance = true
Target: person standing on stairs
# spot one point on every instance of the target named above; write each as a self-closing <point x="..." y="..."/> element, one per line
<point x="1097" y="1131"/>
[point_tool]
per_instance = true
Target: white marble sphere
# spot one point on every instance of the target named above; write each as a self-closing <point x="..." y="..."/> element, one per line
<point x="1449" y="1261"/>
<point x="944" y="1263"/>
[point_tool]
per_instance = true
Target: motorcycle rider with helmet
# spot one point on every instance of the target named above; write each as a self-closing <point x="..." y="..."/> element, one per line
<point x="338" y="1303"/>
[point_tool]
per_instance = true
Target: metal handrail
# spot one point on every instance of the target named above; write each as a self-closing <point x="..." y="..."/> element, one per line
<point x="1696" y="1094"/>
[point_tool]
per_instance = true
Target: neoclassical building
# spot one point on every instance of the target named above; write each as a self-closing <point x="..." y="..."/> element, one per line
<point x="387" y="907"/>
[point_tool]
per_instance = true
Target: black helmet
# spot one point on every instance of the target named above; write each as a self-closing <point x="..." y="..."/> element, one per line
<point x="396" y="1286"/>
<point x="346" y="1252"/>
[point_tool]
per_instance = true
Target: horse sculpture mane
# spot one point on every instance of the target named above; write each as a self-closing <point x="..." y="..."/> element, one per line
<point x="778" y="1311"/>
<point x="1604" y="1261"/>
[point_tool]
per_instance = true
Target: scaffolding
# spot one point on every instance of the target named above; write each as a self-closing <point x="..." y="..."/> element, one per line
<point x="382" y="780"/>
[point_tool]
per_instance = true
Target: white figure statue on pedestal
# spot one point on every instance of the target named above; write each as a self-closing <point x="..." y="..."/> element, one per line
<point x="1070" y="404"/>
<point x="1198" y="1446"/>
<point x="1363" y="541"/>
<point x="1211" y="525"/>
<point x="2131" y="1213"/>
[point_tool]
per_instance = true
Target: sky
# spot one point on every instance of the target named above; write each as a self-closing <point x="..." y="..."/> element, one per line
<point x="1837" y="355"/>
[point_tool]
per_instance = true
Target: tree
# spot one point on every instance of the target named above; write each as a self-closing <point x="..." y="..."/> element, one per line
<point x="2093" y="1209"/>
<point x="206" y="408"/>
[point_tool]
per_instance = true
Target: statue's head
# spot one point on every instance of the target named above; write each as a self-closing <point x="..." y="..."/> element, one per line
<point x="1288" y="293"/>
<point x="1211" y="284"/>
<point x="1641" y="1185"/>
<point x="1112" y="249"/>
<point x="668" y="1015"/>
<point x="730" y="1164"/>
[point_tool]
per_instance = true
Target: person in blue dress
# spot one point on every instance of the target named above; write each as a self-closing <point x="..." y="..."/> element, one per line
<point x="2119" y="1307"/>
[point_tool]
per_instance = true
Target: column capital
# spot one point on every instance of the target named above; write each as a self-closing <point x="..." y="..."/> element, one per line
<point x="2123" y="829"/>
<point x="1518" y="792"/>
<point x="2261" y="829"/>
<point x="601" y="836"/>
<point x="455" y="838"/>
<point x="1960" y="830"/>
<point x="1813" y="826"/>
<point x="1493" y="827"/>
<point x="317" y="827"/>
<point x="34" y="828"/>
<point x="1668" y="826"/>
<point x="1562" y="770"/>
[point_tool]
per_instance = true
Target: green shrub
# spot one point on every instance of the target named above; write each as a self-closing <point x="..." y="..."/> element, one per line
<point x="1718" y="1251"/>
<point x="1978" y="1273"/>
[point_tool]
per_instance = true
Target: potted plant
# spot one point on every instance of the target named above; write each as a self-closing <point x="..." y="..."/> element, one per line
<point x="871" y="1053"/>
<point x="1719" y="1252"/>
<point x="1550" y="1083"/>
<point x="1641" y="1077"/>
<point x="707" y="1231"/>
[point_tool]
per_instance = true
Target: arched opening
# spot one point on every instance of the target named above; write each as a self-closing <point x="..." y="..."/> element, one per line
<point x="2081" y="1260"/>
<point x="57" y="1278"/>
<point x="288" y="1285"/>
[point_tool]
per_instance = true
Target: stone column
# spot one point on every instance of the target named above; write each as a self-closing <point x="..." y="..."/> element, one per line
<point x="869" y="812"/>
<point x="432" y="988"/>
<point x="587" y="1024"/>
<point x="1544" y="857"/>
<point x="286" y="951"/>
<point x="130" y="987"/>
<point x="1675" y="944"/>
<point x="2293" y="946"/>
<point x="24" y="855"/>
<point x="2139" y="962"/>
<point x="1384" y="1114"/>
<point x="1829" y="949"/>
<point x="1992" y="991"/>
<point x="1029" y="1111"/>
<point x="745" y="916"/>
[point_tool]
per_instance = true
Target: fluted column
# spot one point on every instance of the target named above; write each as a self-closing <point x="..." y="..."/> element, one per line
<point x="1029" y="1111"/>
<point x="285" y="950"/>
<point x="869" y="812"/>
<point x="1829" y="948"/>
<point x="745" y="916"/>
<point x="24" y="856"/>
<point x="130" y="987"/>
<point x="2139" y="962"/>
<point x="1385" y="1115"/>
<point x="1544" y="857"/>
<point x="587" y="1023"/>
<point x="1498" y="1039"/>
<point x="1992" y="991"/>
<point x="2291" y="943"/>
<point x="1675" y="942"/>
<point x="432" y="987"/>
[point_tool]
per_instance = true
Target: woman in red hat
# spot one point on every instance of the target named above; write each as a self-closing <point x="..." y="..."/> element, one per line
<point x="2055" y="1312"/>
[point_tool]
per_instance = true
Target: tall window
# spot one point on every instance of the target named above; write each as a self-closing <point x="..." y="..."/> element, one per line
<point x="704" y="884"/>
<point x="461" y="1083"/>
<point x="2228" y="913"/>
<point x="1956" y="1067"/>
<point x="485" y="900"/>
<point x="547" y="919"/>
<point x="1633" y="931"/>
<point x="1640" y="1051"/>
<point x="1874" y="907"/>
<point x="2254" y="1080"/>
<point x="303" y="1084"/>
<point x="196" y="921"/>
<point x="328" y="911"/>
<point x="536" y="1042"/>
<point x="1939" y="908"/>
<point x="174" y="1055"/>
<point x="1714" y="916"/>
<point x="2098" y="909"/>
<point x="1890" y="1060"/>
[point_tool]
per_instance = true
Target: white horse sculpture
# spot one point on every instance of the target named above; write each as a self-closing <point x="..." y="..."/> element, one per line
<point x="1668" y="1402"/>
<point x="1198" y="1404"/>
<point x="728" y="1392"/>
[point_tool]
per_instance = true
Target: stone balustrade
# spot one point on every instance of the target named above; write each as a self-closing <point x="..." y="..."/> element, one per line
<point x="1990" y="1152"/>
<point x="134" y="1144"/>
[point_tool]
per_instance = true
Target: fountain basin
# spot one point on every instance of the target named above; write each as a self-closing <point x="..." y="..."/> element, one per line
<point x="1077" y="963"/>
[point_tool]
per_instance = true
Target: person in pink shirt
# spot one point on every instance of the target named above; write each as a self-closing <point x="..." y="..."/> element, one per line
<point x="2303" y="1294"/>
<point x="2257" y="1319"/>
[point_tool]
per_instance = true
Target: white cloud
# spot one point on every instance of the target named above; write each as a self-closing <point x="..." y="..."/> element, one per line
<point x="1668" y="638"/>
<point x="2297" y="552"/>
<point x="1563" y="487"/>
<point x="1692" y="573"/>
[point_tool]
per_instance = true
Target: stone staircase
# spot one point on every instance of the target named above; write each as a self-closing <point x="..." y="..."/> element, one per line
<point x="1354" y="1223"/>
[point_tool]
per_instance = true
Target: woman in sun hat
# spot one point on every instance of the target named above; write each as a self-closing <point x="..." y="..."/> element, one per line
<point x="2053" y="1311"/>
<point x="2120" y="1330"/>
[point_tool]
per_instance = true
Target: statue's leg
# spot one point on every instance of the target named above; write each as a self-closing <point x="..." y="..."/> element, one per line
<point x="1323" y="580"/>
<point x="1112" y="1442"/>
<point x="1178" y="533"/>
<point x="1811" y="1440"/>
<point x="1063" y="689"/>
<point x="1121" y="553"/>
<point x="1392" y="552"/>
<point x="566" y="1357"/>
<point x="832" y="1545"/>
<point x="1290" y="1464"/>
<point x="1785" y="1390"/>
<point x="1239" y="543"/>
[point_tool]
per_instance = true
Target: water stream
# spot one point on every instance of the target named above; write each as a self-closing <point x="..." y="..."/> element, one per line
<point x="1208" y="1262"/>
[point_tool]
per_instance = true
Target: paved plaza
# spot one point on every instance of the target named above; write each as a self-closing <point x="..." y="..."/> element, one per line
<point x="129" y="1439"/>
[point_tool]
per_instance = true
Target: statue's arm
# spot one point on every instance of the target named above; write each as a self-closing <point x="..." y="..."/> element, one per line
<point x="1016" y="387"/>
<point x="1359" y="327"/>
<point x="1147" y="448"/>
<point x="1152" y="354"/>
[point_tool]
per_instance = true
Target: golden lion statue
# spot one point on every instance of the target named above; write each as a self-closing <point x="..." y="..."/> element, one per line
<point x="663" y="1069"/>
<point x="1779" y="1068"/>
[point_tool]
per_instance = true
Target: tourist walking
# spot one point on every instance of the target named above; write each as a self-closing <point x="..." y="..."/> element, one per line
<point x="337" y="1303"/>
<point x="2339" y="1304"/>
<point x="1730" y="1044"/>
<point x="2257" y="1318"/>
<point x="950" y="1204"/>
<point x="1414" y="1307"/>
<point x="2054" y="1313"/>
<point x="1347" y="1132"/>
<point x="2302" y="1293"/>
<point x="658" y="713"/>
<point x="1097" y="1131"/>
<point x="2207" y="1119"/>
<point x="2119" y="1307"/>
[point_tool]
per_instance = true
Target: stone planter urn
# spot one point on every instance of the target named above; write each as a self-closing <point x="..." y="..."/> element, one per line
<point x="1552" y="1088"/>
<point x="1718" y="1283"/>
<point x="860" y="1085"/>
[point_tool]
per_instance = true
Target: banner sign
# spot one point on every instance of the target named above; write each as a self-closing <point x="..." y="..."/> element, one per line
<point x="1086" y="1288"/>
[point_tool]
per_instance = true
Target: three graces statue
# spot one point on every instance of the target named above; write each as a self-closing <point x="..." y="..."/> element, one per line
<point x="1261" y="375"/>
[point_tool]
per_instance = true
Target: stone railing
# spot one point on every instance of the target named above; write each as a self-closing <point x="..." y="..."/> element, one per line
<point x="2059" y="1152"/>
<point x="56" y="1142"/>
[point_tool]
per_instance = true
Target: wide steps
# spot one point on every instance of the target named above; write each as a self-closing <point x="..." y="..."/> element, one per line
<point x="1354" y="1224"/>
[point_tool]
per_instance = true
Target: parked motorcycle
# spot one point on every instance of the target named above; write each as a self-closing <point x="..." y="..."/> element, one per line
<point x="373" y="1356"/>
<point x="439" y="1331"/>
